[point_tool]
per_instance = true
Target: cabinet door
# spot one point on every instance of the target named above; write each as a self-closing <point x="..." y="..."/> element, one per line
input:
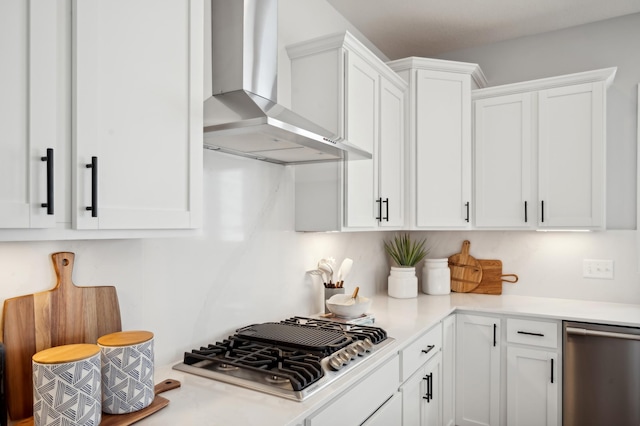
<point x="443" y="149"/>
<point x="571" y="135"/>
<point x="28" y="83"/>
<point x="532" y="387"/>
<point x="448" y="370"/>
<point x="421" y="395"/>
<point x="362" y="101"/>
<point x="503" y="160"/>
<point x="477" y="370"/>
<point x="138" y="110"/>
<point x="391" y="155"/>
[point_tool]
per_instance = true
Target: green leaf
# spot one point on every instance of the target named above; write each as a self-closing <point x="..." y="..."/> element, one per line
<point x="404" y="252"/>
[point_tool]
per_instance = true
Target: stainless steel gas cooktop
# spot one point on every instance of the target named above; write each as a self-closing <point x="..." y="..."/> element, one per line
<point x="292" y="359"/>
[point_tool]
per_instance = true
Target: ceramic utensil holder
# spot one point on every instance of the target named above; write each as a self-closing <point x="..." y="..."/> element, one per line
<point x="328" y="292"/>
<point x="67" y="386"/>
<point x="127" y="371"/>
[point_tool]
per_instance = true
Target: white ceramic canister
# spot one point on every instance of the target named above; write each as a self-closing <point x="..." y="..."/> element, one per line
<point x="127" y="371"/>
<point x="67" y="386"/>
<point x="436" y="277"/>
<point x="403" y="283"/>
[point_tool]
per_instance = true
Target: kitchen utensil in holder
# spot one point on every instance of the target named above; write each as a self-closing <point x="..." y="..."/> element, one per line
<point x="67" y="386"/>
<point x="127" y="371"/>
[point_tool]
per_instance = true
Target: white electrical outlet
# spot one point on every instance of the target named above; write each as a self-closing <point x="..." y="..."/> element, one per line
<point x="597" y="268"/>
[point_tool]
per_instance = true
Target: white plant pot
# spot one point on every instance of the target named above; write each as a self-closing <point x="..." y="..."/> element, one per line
<point x="403" y="283"/>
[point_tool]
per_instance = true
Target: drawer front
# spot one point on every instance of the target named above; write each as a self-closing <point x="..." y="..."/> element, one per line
<point x="358" y="403"/>
<point x="534" y="333"/>
<point x="420" y="351"/>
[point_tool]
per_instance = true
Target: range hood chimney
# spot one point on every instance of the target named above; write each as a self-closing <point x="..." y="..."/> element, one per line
<point x="243" y="117"/>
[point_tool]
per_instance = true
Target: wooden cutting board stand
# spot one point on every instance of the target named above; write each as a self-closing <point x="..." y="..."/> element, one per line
<point x="492" y="277"/>
<point x="64" y="315"/>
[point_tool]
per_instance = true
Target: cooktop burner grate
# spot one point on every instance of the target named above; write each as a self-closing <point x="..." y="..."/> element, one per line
<point x="235" y="356"/>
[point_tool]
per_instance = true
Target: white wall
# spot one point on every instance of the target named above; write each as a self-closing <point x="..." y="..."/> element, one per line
<point x="614" y="42"/>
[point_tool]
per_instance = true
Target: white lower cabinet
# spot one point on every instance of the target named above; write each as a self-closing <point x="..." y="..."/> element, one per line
<point x="421" y="374"/>
<point x="533" y="373"/>
<point x="421" y="395"/>
<point x="477" y="370"/>
<point x="526" y="351"/>
<point x="448" y="371"/>
<point x="366" y="401"/>
<point x="532" y="387"/>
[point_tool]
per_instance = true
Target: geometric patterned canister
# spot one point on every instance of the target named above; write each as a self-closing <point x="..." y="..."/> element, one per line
<point x="67" y="386"/>
<point x="127" y="371"/>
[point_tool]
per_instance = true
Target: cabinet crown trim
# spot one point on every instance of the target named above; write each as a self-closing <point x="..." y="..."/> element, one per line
<point x="347" y="41"/>
<point x="606" y="74"/>
<point x="414" y="62"/>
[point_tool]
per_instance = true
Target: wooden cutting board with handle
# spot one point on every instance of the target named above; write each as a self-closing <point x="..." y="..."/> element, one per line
<point x="466" y="272"/>
<point x="492" y="277"/>
<point x="64" y="315"/>
<point x="157" y="404"/>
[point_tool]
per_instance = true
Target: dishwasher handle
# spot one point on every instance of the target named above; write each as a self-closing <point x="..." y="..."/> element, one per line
<point x="585" y="332"/>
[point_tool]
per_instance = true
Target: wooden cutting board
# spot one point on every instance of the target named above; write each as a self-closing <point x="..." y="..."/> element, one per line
<point x="466" y="272"/>
<point x="157" y="404"/>
<point x="492" y="277"/>
<point x="64" y="315"/>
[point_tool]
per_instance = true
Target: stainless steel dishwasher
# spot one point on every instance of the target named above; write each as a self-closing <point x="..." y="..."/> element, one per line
<point x="601" y="375"/>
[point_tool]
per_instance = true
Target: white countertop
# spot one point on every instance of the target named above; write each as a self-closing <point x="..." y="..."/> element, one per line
<point x="209" y="402"/>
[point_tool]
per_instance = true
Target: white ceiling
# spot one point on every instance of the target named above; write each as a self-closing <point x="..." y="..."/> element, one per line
<point x="401" y="28"/>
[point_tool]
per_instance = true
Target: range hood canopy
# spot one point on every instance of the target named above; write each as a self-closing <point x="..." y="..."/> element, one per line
<point x="243" y="117"/>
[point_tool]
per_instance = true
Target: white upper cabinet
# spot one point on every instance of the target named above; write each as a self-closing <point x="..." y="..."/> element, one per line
<point x="540" y="153"/>
<point x="572" y="156"/>
<point x="28" y="113"/>
<point x="391" y="156"/>
<point x="504" y="191"/>
<point x="361" y="119"/>
<point x="342" y="86"/>
<point x="137" y="113"/>
<point x="439" y="154"/>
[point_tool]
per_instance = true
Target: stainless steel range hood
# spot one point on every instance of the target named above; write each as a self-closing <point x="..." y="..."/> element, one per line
<point x="243" y="116"/>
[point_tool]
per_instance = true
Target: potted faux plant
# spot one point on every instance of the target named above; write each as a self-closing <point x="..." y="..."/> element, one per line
<point x="406" y="254"/>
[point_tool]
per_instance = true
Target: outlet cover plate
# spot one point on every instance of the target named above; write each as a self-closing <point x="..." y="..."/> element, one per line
<point x="597" y="268"/>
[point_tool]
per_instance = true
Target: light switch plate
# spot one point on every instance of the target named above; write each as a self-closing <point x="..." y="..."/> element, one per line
<point x="597" y="268"/>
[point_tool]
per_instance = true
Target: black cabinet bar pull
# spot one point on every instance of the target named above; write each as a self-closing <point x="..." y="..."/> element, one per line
<point x="386" y="202"/>
<point x="94" y="186"/>
<point x="429" y="395"/>
<point x="542" y="216"/>
<point x="495" y="326"/>
<point x="528" y="333"/>
<point x="49" y="159"/>
<point x="429" y="348"/>
<point x="551" y="370"/>
<point x="467" y="206"/>
<point x="525" y="212"/>
<point x="379" y="202"/>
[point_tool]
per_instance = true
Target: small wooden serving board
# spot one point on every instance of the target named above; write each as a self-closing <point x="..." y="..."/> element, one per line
<point x="492" y="277"/>
<point x="157" y="404"/>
